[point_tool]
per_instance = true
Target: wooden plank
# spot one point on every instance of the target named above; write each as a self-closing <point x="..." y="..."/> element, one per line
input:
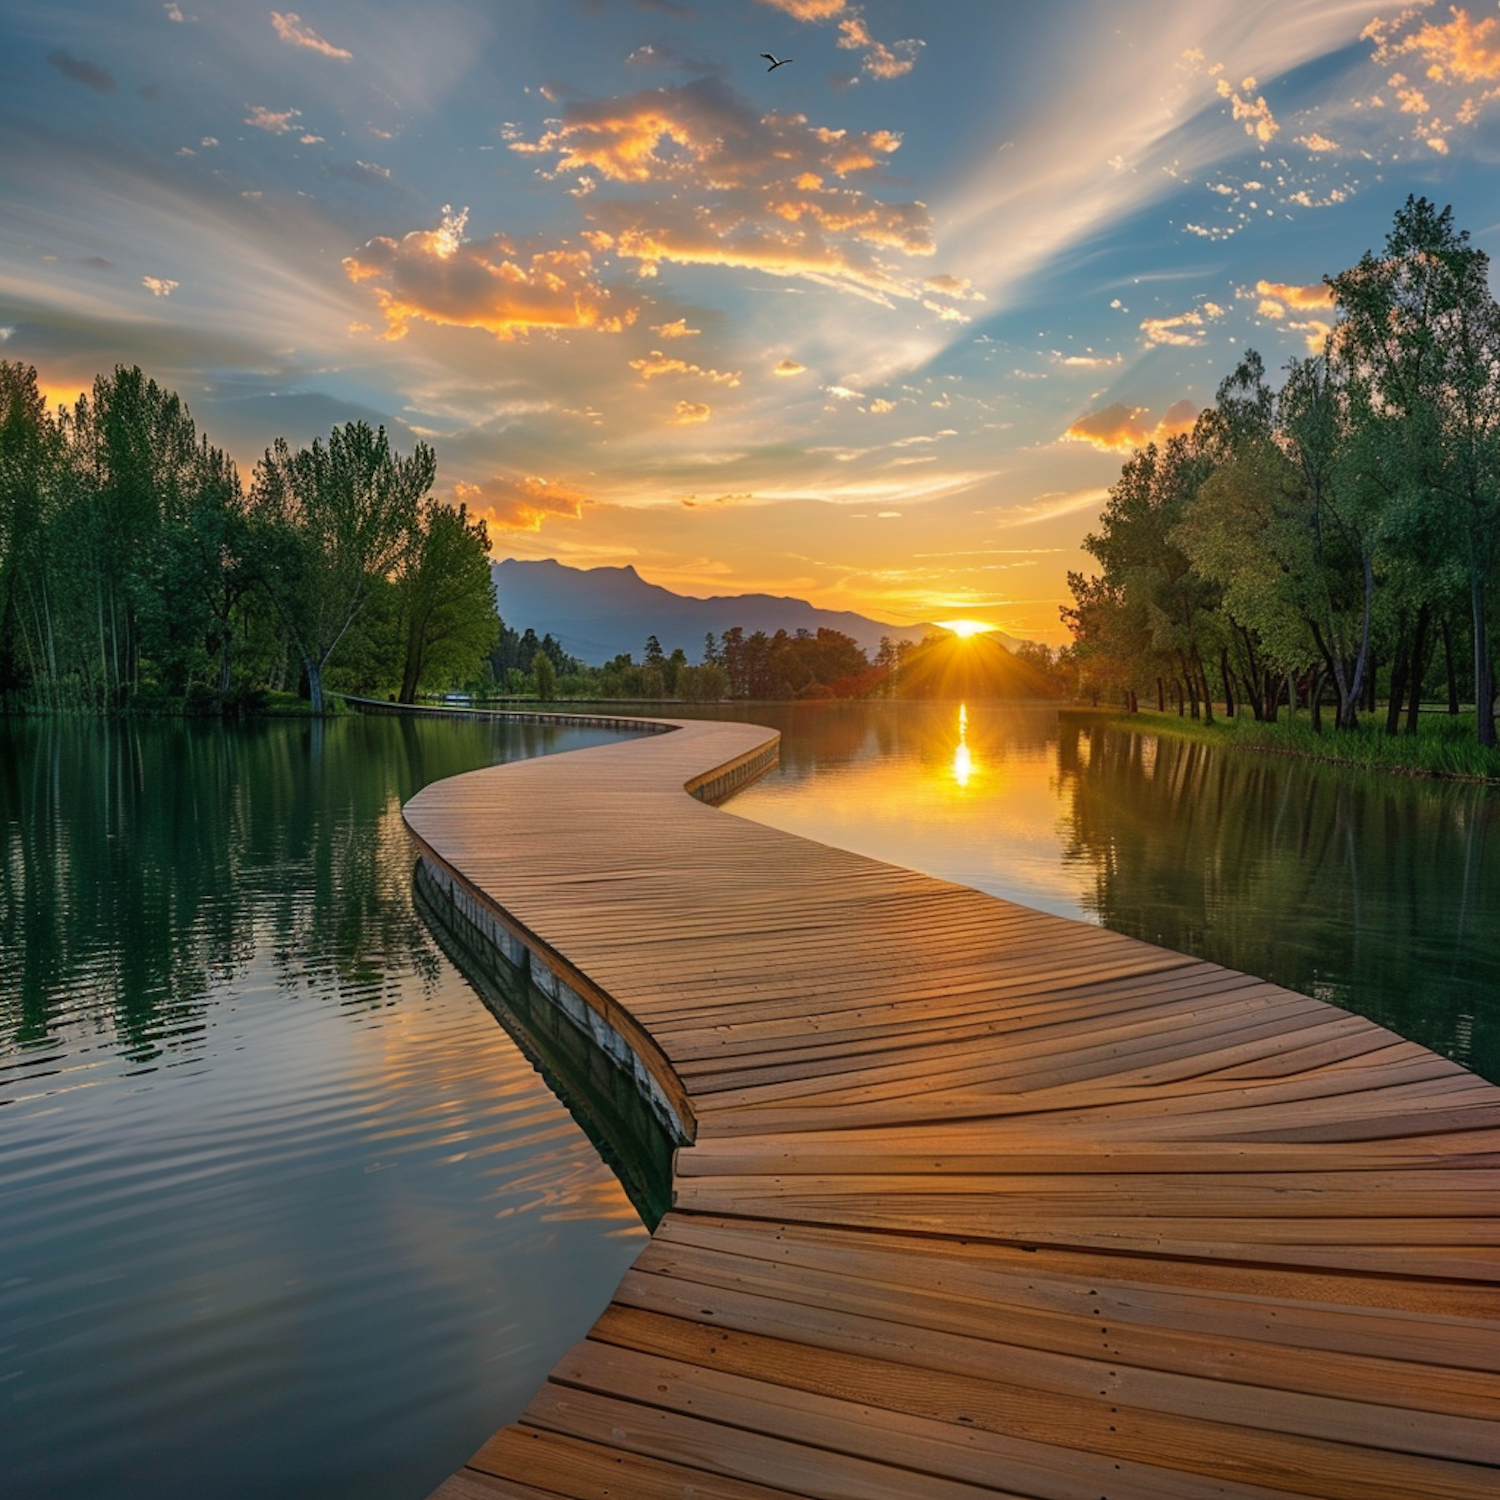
<point x="984" y="1202"/>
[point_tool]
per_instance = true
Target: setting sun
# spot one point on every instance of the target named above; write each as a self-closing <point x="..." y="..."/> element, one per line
<point x="966" y="628"/>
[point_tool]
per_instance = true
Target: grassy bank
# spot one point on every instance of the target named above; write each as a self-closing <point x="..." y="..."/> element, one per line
<point x="1443" y="745"/>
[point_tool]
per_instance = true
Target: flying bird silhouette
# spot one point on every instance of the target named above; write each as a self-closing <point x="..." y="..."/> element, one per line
<point x="775" y="62"/>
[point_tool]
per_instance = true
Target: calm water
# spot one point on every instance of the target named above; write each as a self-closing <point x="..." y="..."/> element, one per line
<point x="282" y="1210"/>
<point x="1375" y="892"/>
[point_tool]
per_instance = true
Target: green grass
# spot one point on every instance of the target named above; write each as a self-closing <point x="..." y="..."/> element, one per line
<point x="1444" y="745"/>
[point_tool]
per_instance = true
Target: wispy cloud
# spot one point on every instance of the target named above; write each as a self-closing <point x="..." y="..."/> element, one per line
<point x="293" y="30"/>
<point x="80" y="70"/>
<point x="657" y="363"/>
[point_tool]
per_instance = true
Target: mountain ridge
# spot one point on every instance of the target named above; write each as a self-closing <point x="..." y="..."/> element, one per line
<point x="597" y="613"/>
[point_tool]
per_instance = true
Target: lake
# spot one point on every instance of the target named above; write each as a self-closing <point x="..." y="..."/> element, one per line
<point x="285" y="1210"/>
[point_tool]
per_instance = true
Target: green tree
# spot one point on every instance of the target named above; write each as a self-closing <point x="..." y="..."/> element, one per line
<point x="1420" y="325"/>
<point x="544" y="675"/>
<point x="331" y="521"/>
<point x="447" y="598"/>
<point x="30" y="458"/>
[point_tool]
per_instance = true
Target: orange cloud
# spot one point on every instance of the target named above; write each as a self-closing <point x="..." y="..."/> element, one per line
<point x="292" y="30"/>
<point x="277" y="122"/>
<point x="657" y="363"/>
<point x="438" y="276"/>
<point x="689" y="412"/>
<point x="880" y="60"/>
<point x="1304" y="298"/>
<point x="809" y="10"/>
<point x="751" y="191"/>
<point x="1455" y="56"/>
<point x="521" y="504"/>
<point x="1119" y="428"/>
<point x="1278" y="299"/>
<point x="1254" y="112"/>
<point x="675" y="330"/>
<point x="789" y="367"/>
<point x="1184" y="330"/>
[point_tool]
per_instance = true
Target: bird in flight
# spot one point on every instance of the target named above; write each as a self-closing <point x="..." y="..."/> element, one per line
<point x="775" y="62"/>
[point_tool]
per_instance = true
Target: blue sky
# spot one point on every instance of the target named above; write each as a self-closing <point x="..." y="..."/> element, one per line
<point x="875" y="328"/>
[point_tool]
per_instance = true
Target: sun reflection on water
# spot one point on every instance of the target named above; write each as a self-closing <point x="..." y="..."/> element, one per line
<point x="963" y="759"/>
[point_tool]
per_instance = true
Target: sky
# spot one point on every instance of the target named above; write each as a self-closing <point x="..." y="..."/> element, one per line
<point x="875" y="328"/>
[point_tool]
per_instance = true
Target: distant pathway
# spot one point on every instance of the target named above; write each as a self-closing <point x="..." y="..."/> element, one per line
<point x="981" y="1201"/>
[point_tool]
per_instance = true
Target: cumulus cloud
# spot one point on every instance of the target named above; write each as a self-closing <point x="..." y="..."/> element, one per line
<point x="521" y="504"/>
<point x="881" y="60"/>
<point x="677" y="329"/>
<point x="296" y="33"/>
<point x="1460" y="64"/>
<point x="91" y="75"/>
<point x="1185" y="330"/>
<point x="439" y="276"/>
<point x="766" y="192"/>
<point x="1249" y="108"/>
<point x="1315" y="142"/>
<point x="276" y="122"/>
<point x="789" y="367"/>
<point x="1119" y="428"/>
<point x="1292" y="306"/>
<point x="174" y="11"/>
<point x="690" y="412"/>
<point x="159" y="286"/>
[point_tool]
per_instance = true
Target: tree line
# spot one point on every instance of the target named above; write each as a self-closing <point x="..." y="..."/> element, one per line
<point x="1334" y="537"/>
<point x="137" y="571"/>
<point x="780" y="666"/>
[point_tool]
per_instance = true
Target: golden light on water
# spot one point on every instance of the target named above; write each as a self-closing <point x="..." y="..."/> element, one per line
<point x="963" y="759"/>
<point x="965" y="628"/>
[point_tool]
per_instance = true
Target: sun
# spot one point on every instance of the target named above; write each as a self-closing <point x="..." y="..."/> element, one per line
<point x="965" y="628"/>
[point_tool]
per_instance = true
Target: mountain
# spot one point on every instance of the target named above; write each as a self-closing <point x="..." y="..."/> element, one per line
<point x="596" y="613"/>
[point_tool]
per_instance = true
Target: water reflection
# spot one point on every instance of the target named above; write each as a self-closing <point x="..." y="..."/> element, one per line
<point x="963" y="757"/>
<point x="1375" y="892"/>
<point x="286" y="1213"/>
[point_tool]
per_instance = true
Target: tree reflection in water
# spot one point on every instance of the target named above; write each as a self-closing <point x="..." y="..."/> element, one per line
<point x="1368" y="891"/>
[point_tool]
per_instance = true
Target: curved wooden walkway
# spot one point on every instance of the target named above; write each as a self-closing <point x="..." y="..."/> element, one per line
<point x="982" y="1202"/>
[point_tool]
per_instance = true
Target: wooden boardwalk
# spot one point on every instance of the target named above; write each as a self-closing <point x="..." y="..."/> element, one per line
<point x="981" y="1201"/>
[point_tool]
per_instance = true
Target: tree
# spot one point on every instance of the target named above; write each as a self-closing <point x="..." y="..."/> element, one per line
<point x="448" y="617"/>
<point x="544" y="674"/>
<point x="1420" y="326"/>
<point x="30" y="457"/>
<point x="331" y="521"/>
